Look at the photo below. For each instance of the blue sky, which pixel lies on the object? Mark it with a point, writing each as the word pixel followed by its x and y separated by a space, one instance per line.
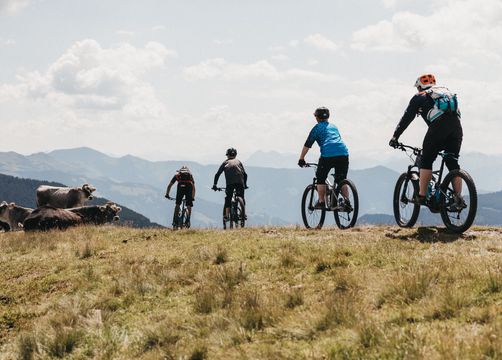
pixel 186 80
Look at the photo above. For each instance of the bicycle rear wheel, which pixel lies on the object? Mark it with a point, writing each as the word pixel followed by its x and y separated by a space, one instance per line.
pixel 177 219
pixel 312 218
pixel 347 208
pixel 458 214
pixel 238 218
pixel 225 221
pixel 405 211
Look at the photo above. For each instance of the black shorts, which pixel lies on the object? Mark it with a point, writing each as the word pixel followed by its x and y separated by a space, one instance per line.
pixel 184 189
pixel 340 163
pixel 229 191
pixel 445 133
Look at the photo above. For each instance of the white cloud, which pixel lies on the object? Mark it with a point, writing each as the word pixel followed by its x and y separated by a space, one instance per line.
pixel 220 68
pixel 11 7
pixel 88 77
pixel 158 28
pixel 458 26
pixel 321 42
pixel 7 42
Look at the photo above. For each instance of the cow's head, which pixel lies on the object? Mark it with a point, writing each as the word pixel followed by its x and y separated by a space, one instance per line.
pixel 4 208
pixel 88 190
pixel 111 211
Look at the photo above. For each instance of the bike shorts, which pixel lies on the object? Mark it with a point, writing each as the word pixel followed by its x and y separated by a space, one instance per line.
pixel 229 191
pixel 184 190
pixel 445 133
pixel 340 163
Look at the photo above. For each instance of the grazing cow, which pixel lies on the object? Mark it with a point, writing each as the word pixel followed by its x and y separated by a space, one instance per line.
pixel 4 226
pixel 13 215
pixel 47 218
pixel 98 214
pixel 64 197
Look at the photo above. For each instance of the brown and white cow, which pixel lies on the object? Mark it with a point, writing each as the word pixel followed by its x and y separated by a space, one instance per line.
pixel 13 215
pixel 98 214
pixel 4 226
pixel 48 218
pixel 64 197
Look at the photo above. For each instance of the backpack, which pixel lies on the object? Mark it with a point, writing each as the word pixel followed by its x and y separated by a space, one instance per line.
pixel 184 175
pixel 445 102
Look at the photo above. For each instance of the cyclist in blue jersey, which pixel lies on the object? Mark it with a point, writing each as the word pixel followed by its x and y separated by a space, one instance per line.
pixel 334 154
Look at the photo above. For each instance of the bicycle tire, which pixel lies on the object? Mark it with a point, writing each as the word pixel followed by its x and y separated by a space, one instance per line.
pixel 309 214
pixel 399 205
pixel 345 221
pixel 239 216
pixel 472 198
pixel 224 221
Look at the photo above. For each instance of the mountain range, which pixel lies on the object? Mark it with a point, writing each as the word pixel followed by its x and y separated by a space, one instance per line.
pixel 273 198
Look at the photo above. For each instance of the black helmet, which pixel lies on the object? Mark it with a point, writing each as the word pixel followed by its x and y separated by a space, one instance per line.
pixel 231 152
pixel 322 113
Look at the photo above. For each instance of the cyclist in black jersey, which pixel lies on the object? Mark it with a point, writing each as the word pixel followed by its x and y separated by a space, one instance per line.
pixel 235 176
pixel 186 188
pixel 444 133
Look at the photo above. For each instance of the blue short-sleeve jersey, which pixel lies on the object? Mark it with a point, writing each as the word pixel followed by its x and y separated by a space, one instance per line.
pixel 328 138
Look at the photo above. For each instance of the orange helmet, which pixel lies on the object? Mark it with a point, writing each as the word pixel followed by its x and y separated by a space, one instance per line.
pixel 425 81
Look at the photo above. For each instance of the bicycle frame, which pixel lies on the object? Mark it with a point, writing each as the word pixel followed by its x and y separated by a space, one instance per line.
pixel 414 175
pixel 330 190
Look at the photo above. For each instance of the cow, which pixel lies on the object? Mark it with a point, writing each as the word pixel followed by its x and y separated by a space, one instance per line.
pixel 4 226
pixel 98 214
pixel 48 217
pixel 64 197
pixel 13 215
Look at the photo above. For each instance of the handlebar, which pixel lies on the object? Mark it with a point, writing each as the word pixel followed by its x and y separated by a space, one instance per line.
pixel 310 165
pixel 403 147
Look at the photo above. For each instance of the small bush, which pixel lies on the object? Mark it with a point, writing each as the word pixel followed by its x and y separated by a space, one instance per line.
pixel 205 300
pixel 63 342
pixel 27 346
pixel 221 256
pixel 294 298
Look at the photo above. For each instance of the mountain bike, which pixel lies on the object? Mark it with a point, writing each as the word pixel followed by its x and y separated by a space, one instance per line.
pixel 181 219
pixel 237 217
pixel 457 211
pixel 345 208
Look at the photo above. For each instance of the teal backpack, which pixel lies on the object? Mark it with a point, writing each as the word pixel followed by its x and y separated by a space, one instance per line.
pixel 445 102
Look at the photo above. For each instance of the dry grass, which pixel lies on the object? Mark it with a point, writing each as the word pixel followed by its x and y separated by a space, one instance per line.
pixel 372 293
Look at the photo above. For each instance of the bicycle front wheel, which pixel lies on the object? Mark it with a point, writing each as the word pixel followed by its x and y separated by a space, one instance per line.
pixel 459 201
pixel 347 205
pixel 405 211
pixel 238 218
pixel 312 218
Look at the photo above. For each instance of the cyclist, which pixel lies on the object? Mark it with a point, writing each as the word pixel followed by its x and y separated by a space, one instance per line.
pixel 235 177
pixel 444 133
pixel 334 154
pixel 186 188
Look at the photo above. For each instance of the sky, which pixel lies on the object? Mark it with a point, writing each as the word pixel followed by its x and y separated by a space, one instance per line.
pixel 185 80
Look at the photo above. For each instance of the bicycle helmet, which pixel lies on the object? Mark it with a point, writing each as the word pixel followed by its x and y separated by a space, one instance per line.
pixel 184 168
pixel 425 81
pixel 231 153
pixel 322 113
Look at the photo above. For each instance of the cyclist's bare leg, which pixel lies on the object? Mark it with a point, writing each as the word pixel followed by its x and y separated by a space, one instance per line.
pixel 321 189
pixel 345 192
pixel 425 177
pixel 457 185
pixel 227 212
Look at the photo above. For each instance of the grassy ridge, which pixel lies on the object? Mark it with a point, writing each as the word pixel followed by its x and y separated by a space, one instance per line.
pixel 376 292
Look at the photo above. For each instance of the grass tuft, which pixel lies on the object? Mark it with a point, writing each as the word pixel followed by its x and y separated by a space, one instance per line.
pixel 27 346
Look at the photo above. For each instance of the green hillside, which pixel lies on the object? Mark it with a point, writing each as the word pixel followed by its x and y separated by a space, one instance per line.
pixel 263 293
pixel 23 193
